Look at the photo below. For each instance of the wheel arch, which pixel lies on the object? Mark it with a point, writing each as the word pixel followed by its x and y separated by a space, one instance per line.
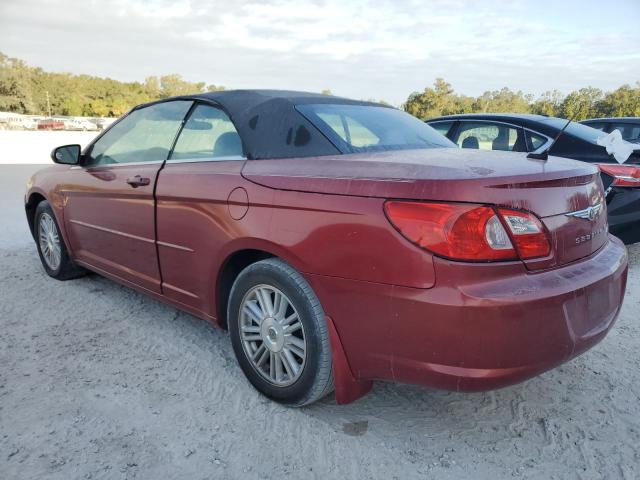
pixel 30 206
pixel 229 271
pixel 347 387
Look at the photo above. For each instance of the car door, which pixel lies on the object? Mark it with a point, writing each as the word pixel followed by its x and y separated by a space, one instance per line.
pixel 109 211
pixel 488 135
pixel 200 200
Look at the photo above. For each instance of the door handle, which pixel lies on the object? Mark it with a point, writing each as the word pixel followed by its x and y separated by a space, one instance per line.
pixel 138 181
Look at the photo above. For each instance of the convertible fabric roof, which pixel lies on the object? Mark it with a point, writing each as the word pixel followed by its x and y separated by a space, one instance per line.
pixel 269 124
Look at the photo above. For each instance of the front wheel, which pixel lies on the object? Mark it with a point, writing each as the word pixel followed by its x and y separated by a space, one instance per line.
pixel 51 248
pixel 279 333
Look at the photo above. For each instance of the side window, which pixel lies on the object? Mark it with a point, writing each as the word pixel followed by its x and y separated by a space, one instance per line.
pixel 441 127
pixel 208 133
pixel 488 136
pixel 145 135
pixel 534 141
pixel 629 131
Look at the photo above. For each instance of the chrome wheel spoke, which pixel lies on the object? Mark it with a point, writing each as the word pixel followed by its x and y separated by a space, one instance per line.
pixel 272 365
pixel 290 363
pixel 260 355
pixel 252 337
pixel 296 346
pixel 290 319
pixel 279 369
pixel 55 256
pixel 252 310
pixel 293 327
pixel 264 299
pixel 280 306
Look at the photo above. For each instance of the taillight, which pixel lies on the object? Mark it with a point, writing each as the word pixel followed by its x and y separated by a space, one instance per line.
pixel 527 233
pixel 469 232
pixel 623 175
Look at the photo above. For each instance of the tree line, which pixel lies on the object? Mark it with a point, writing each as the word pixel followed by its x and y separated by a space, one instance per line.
pixel 31 90
pixel 580 104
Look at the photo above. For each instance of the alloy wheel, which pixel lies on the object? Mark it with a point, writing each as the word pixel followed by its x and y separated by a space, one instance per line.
pixel 49 240
pixel 272 335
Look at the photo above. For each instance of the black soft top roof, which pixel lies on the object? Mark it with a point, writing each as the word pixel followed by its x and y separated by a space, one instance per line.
pixel 269 124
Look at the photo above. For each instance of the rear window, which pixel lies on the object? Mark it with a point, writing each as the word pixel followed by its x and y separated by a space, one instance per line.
pixel 365 128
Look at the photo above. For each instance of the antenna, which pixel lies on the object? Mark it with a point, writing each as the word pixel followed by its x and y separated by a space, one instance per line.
pixel 544 155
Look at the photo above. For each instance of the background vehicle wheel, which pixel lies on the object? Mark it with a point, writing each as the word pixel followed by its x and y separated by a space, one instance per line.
pixel 279 333
pixel 51 248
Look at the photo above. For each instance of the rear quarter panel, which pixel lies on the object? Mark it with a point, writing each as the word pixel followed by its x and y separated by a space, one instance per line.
pixel 329 235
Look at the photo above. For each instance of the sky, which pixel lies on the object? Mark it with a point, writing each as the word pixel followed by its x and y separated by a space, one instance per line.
pixel 363 49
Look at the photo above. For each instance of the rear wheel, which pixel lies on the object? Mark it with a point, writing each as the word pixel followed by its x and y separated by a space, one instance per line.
pixel 279 333
pixel 51 248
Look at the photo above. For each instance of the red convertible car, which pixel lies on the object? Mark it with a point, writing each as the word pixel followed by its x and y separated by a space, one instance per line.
pixel 338 241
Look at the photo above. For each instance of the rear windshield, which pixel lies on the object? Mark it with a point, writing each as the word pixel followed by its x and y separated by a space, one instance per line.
pixel 583 132
pixel 366 128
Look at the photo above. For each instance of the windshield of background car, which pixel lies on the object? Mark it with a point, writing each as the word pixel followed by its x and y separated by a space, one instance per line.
pixel 366 128
pixel 583 132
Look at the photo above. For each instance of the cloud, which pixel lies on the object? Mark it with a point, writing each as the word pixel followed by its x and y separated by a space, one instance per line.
pixel 361 48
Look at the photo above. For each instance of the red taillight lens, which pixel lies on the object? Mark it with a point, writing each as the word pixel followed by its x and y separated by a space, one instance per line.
pixel 453 230
pixel 623 175
pixel 469 232
pixel 527 233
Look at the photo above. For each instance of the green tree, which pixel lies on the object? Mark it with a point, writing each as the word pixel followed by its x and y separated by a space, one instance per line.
pixel 548 103
pixel 436 101
pixel 24 89
pixel 623 102
pixel 15 85
pixel 581 104
pixel 502 101
pixel 172 85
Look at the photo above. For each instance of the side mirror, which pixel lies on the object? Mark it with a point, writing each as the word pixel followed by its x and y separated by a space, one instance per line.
pixel 66 155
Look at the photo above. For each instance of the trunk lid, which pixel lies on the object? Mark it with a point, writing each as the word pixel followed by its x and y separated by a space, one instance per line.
pixel 550 189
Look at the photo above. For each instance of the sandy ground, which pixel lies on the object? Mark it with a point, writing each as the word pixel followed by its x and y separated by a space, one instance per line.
pixel 97 381
pixel 29 147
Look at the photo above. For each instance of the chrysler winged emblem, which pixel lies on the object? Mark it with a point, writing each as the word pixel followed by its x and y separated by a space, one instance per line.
pixel 589 213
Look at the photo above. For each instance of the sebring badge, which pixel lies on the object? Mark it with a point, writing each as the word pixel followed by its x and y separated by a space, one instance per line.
pixel 589 213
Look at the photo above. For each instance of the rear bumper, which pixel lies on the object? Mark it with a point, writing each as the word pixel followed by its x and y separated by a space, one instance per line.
pixel 481 327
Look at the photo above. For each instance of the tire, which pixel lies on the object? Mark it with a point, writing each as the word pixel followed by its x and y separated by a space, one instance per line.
pixel 296 379
pixel 44 223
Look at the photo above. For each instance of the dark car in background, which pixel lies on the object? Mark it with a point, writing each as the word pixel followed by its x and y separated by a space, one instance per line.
pixel 629 127
pixel 536 133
